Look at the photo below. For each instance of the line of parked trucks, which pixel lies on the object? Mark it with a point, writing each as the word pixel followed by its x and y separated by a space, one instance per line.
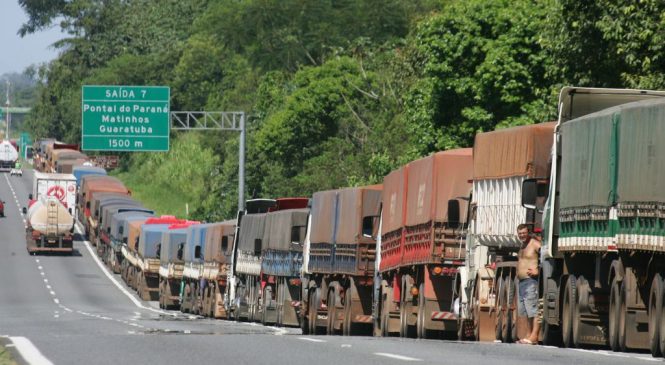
pixel 432 251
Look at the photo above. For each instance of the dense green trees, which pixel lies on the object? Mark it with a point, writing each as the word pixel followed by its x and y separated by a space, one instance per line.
pixel 337 92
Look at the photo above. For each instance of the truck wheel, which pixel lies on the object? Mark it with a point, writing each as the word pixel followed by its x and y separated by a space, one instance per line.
pixel 304 321
pixel 332 312
pixel 314 304
pixel 514 286
pixel 655 313
pixel 622 317
pixel 615 306
pixel 582 299
pixel 508 329
pixel 569 303
pixel 421 330
pixel 500 312
pixel 386 298
pixel 404 311
pixel 267 293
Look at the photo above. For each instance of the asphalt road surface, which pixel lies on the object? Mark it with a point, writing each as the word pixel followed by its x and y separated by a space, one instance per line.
pixel 70 310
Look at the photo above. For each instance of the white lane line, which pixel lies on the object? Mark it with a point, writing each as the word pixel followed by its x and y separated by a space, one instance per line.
pixel 48 287
pixel 40 268
pixel 311 339
pixel 46 280
pixel 29 352
pixel 397 357
pixel 345 345
pixel 56 301
pixel 114 281
pixel 52 292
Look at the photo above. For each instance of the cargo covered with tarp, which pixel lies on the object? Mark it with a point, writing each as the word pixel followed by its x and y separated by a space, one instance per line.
pixel 614 162
pixel 284 233
pixel 338 216
pixel 83 170
pixel 283 228
pixel 641 166
pixel 516 151
pixel 585 162
pixel 425 234
pixel 502 160
pixel 323 212
pixel 172 245
pixel 434 180
pixel 150 240
pixel 251 233
pixel 218 246
pixel 120 224
pixel 392 218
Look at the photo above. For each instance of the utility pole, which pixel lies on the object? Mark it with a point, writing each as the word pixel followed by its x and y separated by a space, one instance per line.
pixel 8 114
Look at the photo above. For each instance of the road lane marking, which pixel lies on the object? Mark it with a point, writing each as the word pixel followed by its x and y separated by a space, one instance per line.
pixel 56 301
pixel 52 292
pixel 29 352
pixel 311 339
pixel 113 280
pixel 397 357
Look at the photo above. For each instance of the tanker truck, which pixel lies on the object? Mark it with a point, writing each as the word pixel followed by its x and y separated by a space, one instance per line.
pixel 8 155
pixel 602 256
pixel 50 226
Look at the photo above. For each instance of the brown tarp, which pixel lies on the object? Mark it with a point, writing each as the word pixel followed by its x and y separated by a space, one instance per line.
pixel 214 237
pixel 394 186
pixel 517 151
pixel 279 226
pixel 251 229
pixel 323 216
pixel 353 205
pixel 134 234
pixel 434 180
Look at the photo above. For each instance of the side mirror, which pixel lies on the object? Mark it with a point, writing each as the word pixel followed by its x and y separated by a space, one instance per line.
pixel 225 244
pixel 453 213
pixel 24 210
pixel 368 226
pixel 257 246
pixel 29 196
pixel 296 236
pixel 197 252
pixel 529 193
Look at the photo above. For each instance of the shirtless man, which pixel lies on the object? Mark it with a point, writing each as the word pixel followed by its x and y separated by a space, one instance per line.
pixel 527 274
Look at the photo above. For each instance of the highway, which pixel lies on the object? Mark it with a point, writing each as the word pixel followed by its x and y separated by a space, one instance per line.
pixel 70 310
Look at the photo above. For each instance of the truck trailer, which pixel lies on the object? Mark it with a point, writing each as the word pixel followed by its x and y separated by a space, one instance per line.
pixel 502 161
pixel 339 264
pixel 423 245
pixel 602 256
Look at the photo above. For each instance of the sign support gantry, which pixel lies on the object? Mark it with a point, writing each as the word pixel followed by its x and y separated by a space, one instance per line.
pixel 223 121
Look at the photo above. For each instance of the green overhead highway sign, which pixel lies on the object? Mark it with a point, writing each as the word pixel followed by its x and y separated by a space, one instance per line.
pixel 125 118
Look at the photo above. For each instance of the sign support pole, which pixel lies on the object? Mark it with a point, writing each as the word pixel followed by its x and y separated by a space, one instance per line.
pixel 241 166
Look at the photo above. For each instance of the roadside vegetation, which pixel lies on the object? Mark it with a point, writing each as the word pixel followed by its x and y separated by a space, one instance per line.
pixel 337 93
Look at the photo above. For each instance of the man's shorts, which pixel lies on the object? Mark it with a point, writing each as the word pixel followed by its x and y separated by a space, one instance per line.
pixel 527 304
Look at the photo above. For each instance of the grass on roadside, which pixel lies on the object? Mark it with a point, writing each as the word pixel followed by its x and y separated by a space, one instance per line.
pixel 6 357
pixel 154 197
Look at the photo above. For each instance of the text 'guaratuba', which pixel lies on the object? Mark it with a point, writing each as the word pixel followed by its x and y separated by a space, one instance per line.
pixel 125 118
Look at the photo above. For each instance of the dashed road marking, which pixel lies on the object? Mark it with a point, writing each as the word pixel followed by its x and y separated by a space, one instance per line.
pixel 311 339
pixel 397 357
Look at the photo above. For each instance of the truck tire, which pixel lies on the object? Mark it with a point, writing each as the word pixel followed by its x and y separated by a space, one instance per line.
pixel 569 303
pixel 421 330
pixel 655 314
pixel 314 304
pixel 582 299
pixel 332 312
pixel 500 312
pixel 615 305
pixel 622 317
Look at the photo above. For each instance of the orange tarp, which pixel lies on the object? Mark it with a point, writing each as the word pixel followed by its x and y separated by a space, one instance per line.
pixel 517 151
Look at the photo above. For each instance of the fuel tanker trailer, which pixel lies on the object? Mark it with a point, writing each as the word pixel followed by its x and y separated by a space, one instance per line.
pixel 50 226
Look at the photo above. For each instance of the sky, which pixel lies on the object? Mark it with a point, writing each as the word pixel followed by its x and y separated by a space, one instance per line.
pixel 17 53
